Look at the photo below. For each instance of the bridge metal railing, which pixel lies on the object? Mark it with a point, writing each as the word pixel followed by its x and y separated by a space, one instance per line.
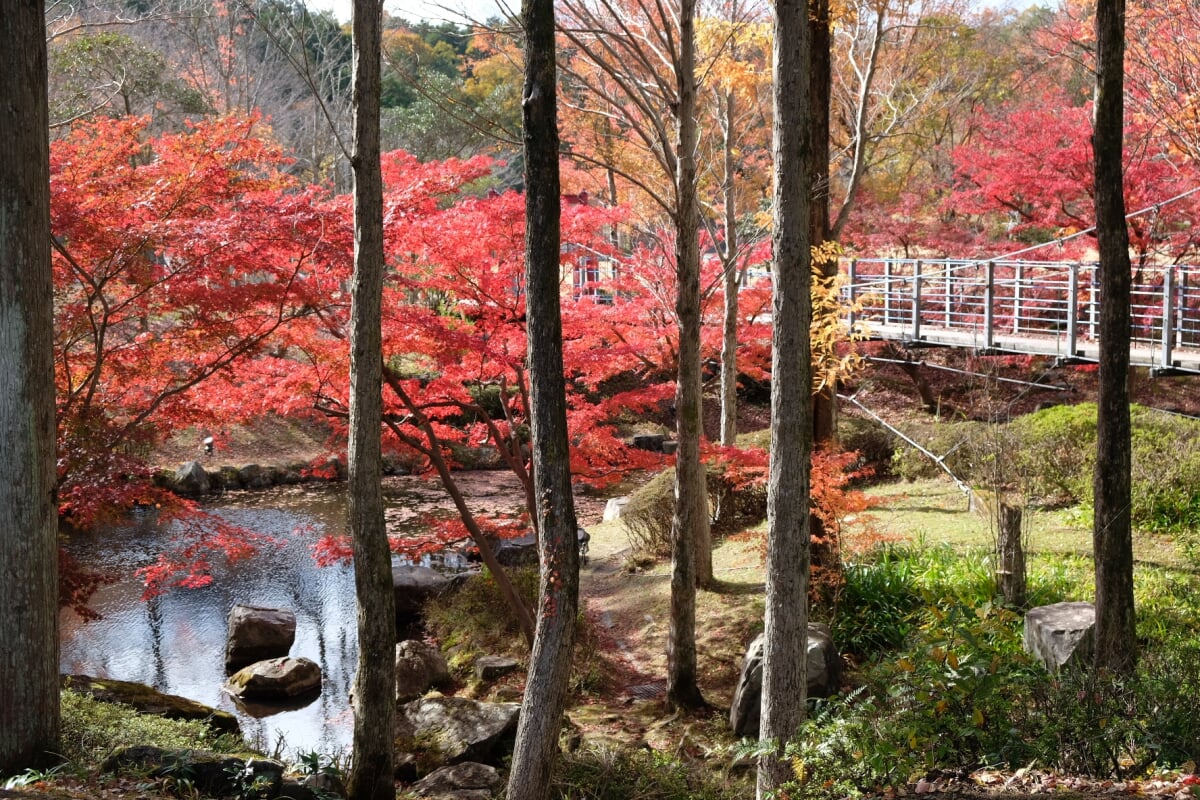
pixel 1052 306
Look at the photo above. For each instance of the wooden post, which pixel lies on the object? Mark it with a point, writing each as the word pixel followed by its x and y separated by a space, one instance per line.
pixel 1010 551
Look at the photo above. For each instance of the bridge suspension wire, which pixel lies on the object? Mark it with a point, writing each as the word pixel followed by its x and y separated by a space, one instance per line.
pixel 997 378
pixel 1062 239
pixel 963 486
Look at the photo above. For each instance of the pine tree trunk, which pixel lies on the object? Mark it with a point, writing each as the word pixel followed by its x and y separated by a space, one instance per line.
pixel 29 711
pixel 690 546
pixel 371 775
pixel 786 629
pixel 1112 536
pixel 550 662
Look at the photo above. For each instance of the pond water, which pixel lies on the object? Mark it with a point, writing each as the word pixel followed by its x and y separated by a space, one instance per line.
pixel 176 642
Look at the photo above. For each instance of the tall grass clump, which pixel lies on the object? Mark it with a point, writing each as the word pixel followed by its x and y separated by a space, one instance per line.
pixel 875 609
pixel 476 618
pixel 599 773
pixel 93 730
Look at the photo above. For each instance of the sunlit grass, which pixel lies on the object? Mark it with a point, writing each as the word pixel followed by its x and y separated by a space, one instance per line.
pixel 936 511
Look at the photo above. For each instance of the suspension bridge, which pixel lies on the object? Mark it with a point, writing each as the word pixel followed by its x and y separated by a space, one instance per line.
pixel 1025 307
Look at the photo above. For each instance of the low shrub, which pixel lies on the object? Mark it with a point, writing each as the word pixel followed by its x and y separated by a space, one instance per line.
pixel 647 517
pixel 950 699
pixel 1057 451
pixel 1096 723
pixel 93 730
pixel 875 445
pixel 598 773
pixel 947 684
pixel 964 447
pixel 885 592
pixel 477 618
pixel 1166 471
pixel 733 505
pixel 1050 455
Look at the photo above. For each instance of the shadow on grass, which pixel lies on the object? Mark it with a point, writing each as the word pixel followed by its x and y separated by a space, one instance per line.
pixel 736 587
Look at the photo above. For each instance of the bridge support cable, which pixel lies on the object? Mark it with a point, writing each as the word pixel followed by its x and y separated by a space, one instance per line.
pixel 939 460
pixel 1153 209
pixel 1032 384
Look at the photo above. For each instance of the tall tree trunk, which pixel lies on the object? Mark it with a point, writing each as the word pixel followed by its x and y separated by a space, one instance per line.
pixel 1112 537
pixel 825 554
pixel 731 282
pixel 825 401
pixel 691 549
pixel 29 711
pixel 375 683
pixel 786 629
pixel 550 661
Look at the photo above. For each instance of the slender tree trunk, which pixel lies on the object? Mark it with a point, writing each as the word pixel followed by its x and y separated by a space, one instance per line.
pixel 862 113
pixel 29 712
pixel 1112 537
pixel 691 549
pixel 731 282
pixel 550 661
pixel 375 683
pixel 786 629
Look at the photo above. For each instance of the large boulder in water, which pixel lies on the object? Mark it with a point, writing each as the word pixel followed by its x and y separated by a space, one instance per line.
pixel 419 667
pixel 518 551
pixel 458 729
pixel 253 476
pixel 1061 634
pixel 277 679
pixel 257 634
pixel 824 673
pixel 414 587
pixel 148 700
pixel 191 478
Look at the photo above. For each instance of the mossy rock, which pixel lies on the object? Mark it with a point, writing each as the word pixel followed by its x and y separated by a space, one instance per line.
pixel 213 774
pixel 148 700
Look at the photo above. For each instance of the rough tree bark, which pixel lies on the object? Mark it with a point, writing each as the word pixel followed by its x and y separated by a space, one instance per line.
pixel 375 683
pixel 1112 536
pixel 786 629
pixel 691 548
pixel 820 86
pixel 825 552
pixel 1010 551
pixel 29 712
pixel 550 661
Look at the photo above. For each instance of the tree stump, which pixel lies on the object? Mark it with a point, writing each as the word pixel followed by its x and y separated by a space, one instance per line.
pixel 1010 572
